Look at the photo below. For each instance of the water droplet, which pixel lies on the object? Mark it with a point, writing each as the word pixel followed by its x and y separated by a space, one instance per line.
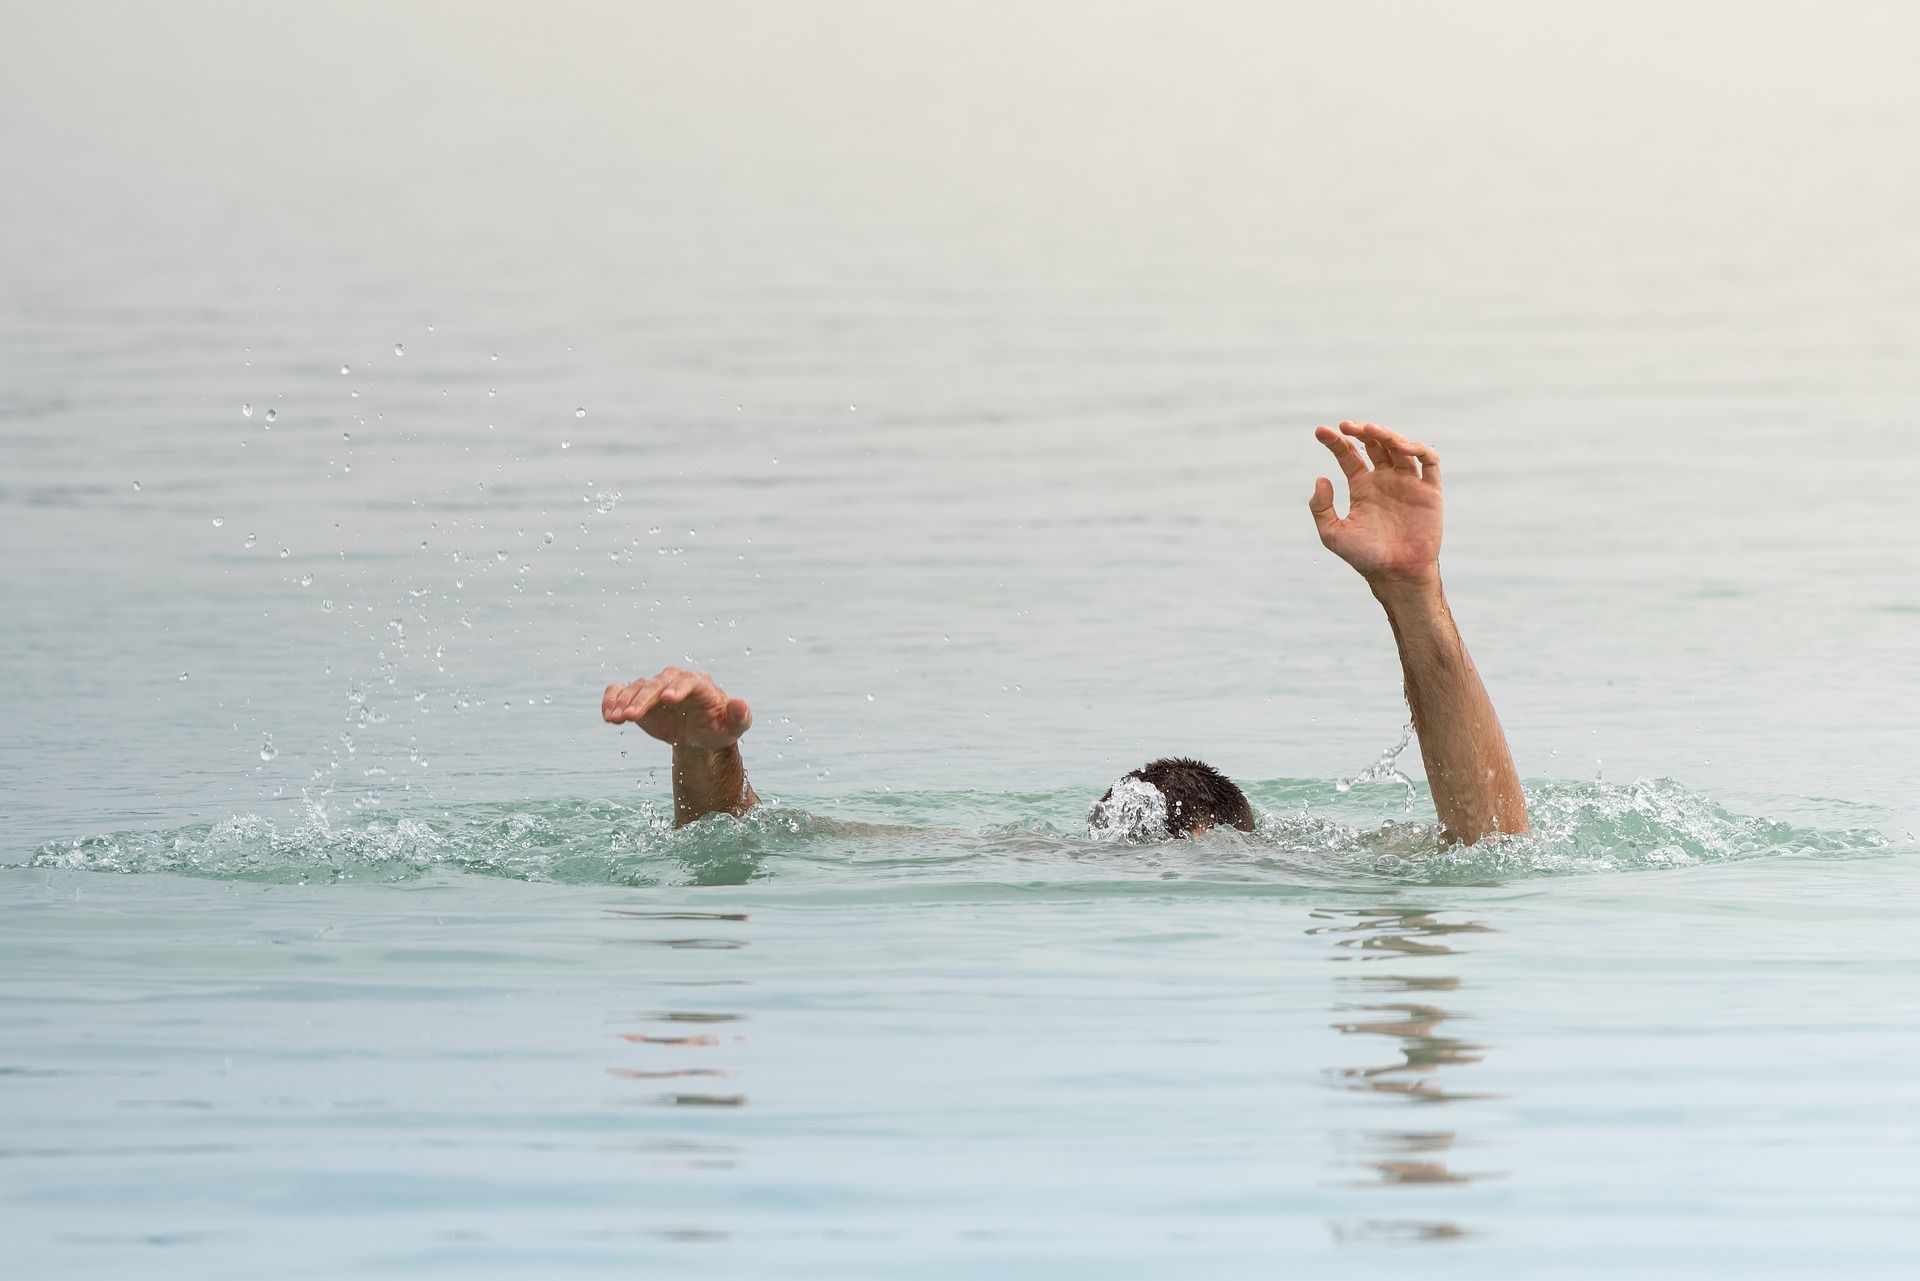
pixel 605 502
pixel 183 676
pixel 492 392
pixel 219 521
pixel 580 413
pixel 284 553
pixel 566 444
pixel 869 698
pixel 272 415
pixel 345 370
pixel 268 751
pixel 399 349
pixel 251 540
pixel 246 411
pixel 429 328
pixel 326 607
pixel 495 356
pixel 136 486
pixel 354 394
pixel 306 580
pixel 346 435
pixel 500 555
pixel 547 537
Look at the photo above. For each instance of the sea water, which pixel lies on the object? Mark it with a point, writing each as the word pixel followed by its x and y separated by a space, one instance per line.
pixel 948 388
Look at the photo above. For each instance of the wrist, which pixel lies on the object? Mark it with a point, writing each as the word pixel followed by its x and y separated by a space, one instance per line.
pixel 1402 593
pixel 700 757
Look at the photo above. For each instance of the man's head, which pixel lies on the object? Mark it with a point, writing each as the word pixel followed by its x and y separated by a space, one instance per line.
pixel 1169 797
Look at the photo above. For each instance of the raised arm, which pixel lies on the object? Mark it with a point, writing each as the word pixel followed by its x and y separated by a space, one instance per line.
pixel 1391 534
pixel 689 711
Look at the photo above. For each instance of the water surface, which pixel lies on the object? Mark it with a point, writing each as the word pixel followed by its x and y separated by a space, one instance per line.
pixel 378 382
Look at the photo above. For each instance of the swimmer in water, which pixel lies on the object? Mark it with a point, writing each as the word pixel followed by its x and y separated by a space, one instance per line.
pixel 1390 534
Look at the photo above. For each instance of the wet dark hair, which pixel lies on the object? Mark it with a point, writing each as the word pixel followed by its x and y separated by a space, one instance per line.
pixel 1198 795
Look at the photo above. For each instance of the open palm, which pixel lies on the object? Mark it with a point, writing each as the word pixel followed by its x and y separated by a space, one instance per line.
pixel 1393 521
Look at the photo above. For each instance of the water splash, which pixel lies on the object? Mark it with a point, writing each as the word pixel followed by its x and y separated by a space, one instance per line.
pixel 1028 839
pixel 1386 767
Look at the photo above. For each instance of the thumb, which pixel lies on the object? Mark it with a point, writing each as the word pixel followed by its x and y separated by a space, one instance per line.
pixel 739 715
pixel 1321 505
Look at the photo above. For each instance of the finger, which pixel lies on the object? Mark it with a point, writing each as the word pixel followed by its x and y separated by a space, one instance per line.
pixel 1370 436
pixel 1396 446
pixel 739 716
pixel 609 700
pixel 679 687
pixel 1321 505
pixel 642 702
pixel 1348 453
pixel 1429 460
pixel 640 696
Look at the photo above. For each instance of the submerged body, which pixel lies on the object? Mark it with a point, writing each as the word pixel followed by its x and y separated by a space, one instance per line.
pixel 1391 535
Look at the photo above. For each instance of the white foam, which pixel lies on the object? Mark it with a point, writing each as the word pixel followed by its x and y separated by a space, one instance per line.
pixel 1134 810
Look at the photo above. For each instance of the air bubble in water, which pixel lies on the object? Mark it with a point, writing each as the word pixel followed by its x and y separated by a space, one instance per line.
pixel 219 521
pixel 268 751
pixel 580 413
pixel 246 411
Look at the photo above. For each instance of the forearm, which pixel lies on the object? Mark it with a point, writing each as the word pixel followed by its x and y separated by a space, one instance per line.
pixel 1476 789
pixel 710 781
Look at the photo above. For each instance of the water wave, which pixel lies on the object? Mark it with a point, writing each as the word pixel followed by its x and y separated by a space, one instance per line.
pixel 1301 839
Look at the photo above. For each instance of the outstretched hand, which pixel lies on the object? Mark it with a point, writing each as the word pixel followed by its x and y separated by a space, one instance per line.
pixel 1391 532
pixel 683 708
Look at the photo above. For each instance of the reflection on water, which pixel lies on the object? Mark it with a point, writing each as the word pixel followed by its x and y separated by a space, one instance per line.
pixel 1404 1007
pixel 681 1044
